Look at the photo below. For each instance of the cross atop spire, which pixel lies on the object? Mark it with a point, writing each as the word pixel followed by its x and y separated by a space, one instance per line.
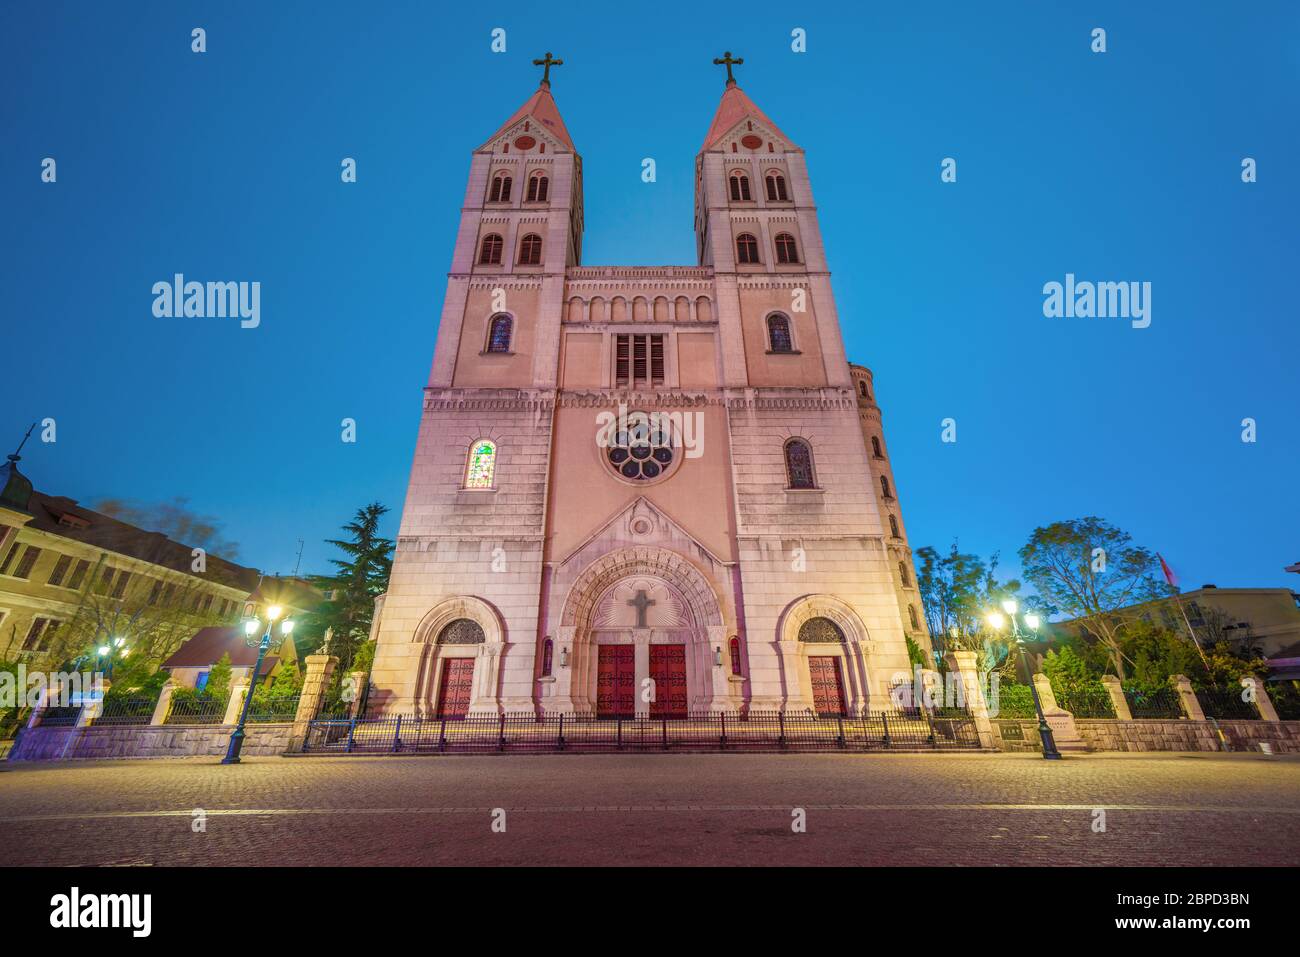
pixel 726 58
pixel 546 64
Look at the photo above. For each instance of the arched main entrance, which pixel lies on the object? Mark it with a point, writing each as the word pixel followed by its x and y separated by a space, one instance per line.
pixel 644 632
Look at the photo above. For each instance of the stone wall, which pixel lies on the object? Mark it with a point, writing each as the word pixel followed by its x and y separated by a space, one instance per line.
pixel 145 741
pixel 1165 734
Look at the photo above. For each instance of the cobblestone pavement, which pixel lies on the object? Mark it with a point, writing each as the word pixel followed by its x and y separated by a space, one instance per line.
pixel 657 809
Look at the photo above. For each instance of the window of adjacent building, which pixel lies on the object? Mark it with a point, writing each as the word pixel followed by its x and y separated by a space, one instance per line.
pixel 499 329
pixel 207 603
pixel 799 464
pixel 481 468
pixel 875 448
pixel 500 192
pixel 746 249
pixel 105 581
pixel 79 573
pixel 9 558
pixel 490 254
pixel 60 570
pixel 119 586
pixel 530 250
pixel 740 187
pixel 155 592
pixel 893 526
pixel 538 186
pixel 201 681
pixel 776 191
pixel 26 563
pixel 786 251
pixel 638 360
pixel 39 634
pixel 778 333
pixel 884 487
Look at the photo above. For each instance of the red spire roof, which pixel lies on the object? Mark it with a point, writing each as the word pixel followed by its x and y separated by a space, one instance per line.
pixel 540 107
pixel 736 106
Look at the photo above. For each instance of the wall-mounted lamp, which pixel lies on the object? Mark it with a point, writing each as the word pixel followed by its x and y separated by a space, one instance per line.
pixel 564 657
pixel 717 656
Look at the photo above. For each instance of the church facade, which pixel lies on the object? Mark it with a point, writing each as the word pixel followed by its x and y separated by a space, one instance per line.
pixel 657 489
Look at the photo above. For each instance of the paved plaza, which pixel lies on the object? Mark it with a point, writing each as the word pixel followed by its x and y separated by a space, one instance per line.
pixel 904 809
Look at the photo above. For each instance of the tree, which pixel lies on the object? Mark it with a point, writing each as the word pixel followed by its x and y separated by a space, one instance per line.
pixel 1089 570
pixel 361 577
pixel 957 591
pixel 176 520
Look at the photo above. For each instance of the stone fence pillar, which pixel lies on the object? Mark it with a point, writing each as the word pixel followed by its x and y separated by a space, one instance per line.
pixel 963 665
pixel 164 705
pixel 238 690
pixel 358 679
pixel 1262 701
pixel 1118 701
pixel 90 710
pixel 1058 719
pixel 320 668
pixel 1187 698
pixel 1046 693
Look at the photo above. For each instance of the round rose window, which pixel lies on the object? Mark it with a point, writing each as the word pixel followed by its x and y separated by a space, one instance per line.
pixel 525 143
pixel 642 450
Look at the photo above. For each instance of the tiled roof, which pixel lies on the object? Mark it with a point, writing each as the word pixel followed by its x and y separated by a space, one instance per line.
pixel 736 106
pixel 540 107
pixel 208 646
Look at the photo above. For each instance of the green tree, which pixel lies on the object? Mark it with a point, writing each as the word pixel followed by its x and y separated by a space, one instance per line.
pixel 1088 570
pixel 957 591
pixel 218 685
pixel 1067 669
pixel 360 577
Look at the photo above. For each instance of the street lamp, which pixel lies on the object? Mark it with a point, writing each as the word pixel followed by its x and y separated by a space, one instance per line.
pixel 1032 622
pixel 250 638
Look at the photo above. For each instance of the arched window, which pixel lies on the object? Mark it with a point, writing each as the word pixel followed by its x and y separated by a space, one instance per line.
pixel 739 187
pixel 482 465
pixel 500 191
pixel 499 330
pixel 746 248
pixel 462 631
pixel 778 333
pixel 734 647
pixel 902 573
pixel 776 192
pixel 884 487
pixel 548 651
pixel 893 526
pixel 786 251
pixel 538 187
pixel 530 250
pixel 798 464
pixel 875 448
pixel 862 387
pixel 821 631
pixel 490 255
pixel 911 614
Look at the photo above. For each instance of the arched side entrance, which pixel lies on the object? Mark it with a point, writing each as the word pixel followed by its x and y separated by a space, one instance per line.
pixel 824 651
pixel 459 667
pixel 637 614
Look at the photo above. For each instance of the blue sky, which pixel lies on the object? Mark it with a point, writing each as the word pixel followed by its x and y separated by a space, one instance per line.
pixel 1116 166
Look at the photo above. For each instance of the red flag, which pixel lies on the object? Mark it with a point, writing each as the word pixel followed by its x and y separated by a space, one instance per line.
pixel 1169 572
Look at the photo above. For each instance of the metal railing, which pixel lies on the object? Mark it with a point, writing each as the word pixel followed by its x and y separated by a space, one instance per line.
pixel 762 730
pixel 273 709
pixel 196 710
pixel 1085 701
pixel 59 717
pixel 1226 703
pixel 127 711
pixel 1153 703
pixel 1013 701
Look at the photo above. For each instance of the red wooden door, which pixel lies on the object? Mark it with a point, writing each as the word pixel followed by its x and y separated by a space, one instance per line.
pixel 828 689
pixel 457 683
pixel 616 681
pixel 668 669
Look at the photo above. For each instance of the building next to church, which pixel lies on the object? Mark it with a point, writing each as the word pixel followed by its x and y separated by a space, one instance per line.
pixel 745 550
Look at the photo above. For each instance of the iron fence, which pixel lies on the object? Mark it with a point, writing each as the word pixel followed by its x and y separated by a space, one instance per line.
pixel 273 709
pixel 1286 700
pixel 197 710
pixel 1226 703
pixel 1086 701
pixel 1013 701
pixel 1153 703
pixel 763 730
pixel 60 717
pixel 127 711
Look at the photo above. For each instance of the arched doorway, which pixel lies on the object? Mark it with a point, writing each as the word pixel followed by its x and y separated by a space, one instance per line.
pixel 824 656
pixel 459 666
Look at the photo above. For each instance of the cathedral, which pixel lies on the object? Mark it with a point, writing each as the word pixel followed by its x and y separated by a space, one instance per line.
pixel 654 490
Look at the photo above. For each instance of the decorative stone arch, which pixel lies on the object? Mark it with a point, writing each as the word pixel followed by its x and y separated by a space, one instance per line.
pixel 655 562
pixel 487 653
pixel 854 652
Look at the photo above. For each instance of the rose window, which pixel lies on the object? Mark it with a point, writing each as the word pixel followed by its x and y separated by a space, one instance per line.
pixel 641 451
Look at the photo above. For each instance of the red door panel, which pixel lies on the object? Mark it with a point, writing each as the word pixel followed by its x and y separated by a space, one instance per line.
pixel 668 669
pixel 827 687
pixel 457 683
pixel 616 681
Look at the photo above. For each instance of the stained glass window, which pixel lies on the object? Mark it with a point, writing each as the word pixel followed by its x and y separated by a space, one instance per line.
pixel 778 333
pixel 499 334
pixel 798 464
pixel 482 465
pixel 735 656
pixel 548 650
pixel 820 631
pixel 462 631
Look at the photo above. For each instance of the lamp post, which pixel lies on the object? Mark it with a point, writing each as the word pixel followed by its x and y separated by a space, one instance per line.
pixel 1032 622
pixel 250 632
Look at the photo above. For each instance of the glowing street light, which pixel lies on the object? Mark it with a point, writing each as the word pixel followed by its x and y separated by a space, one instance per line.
pixel 251 627
pixel 1032 622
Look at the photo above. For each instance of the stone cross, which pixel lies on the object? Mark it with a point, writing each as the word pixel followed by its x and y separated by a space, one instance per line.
pixel 548 63
pixel 727 59
pixel 641 603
